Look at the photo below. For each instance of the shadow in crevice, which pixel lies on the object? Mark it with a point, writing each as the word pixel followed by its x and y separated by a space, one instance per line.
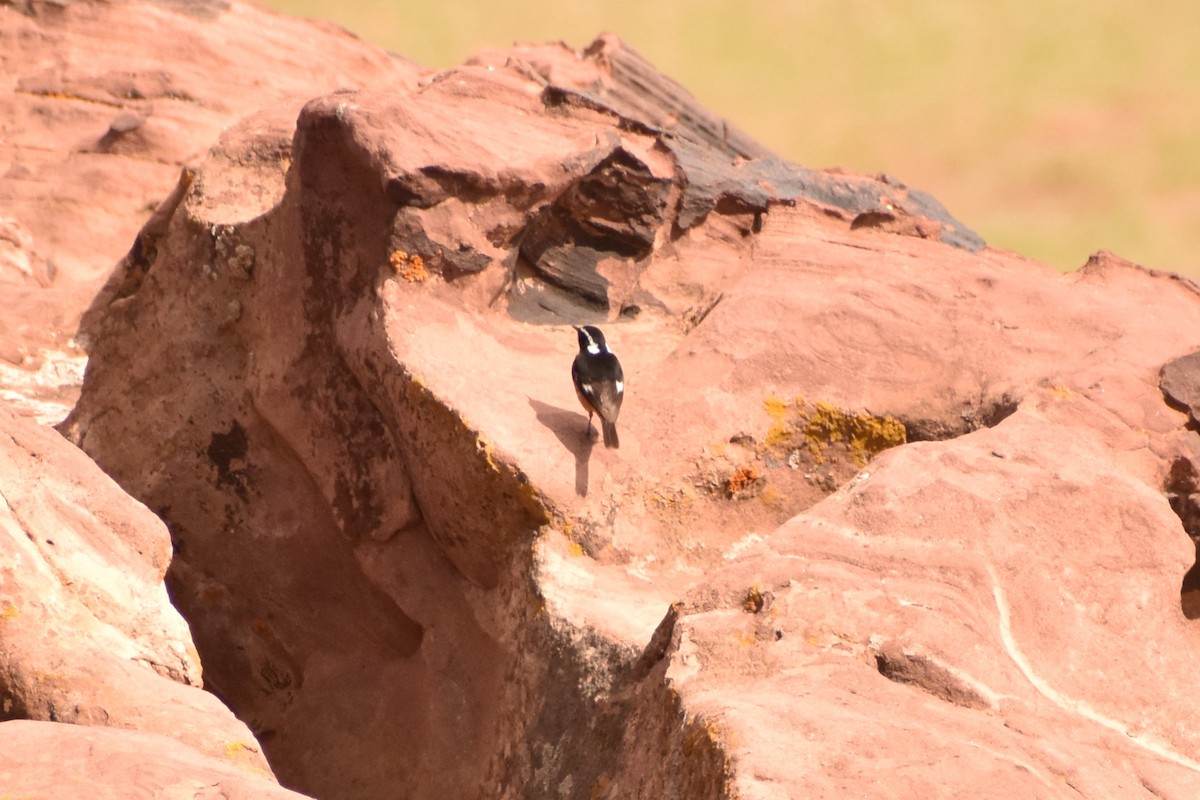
pixel 1182 488
pixel 569 426
pixel 1179 381
pixel 988 413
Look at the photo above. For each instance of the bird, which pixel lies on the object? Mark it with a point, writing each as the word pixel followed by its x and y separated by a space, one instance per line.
pixel 599 382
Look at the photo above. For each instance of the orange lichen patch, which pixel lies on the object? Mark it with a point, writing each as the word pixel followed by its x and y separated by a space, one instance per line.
pixel 746 639
pixel 409 266
pixel 744 482
pixel 264 631
pixel 213 595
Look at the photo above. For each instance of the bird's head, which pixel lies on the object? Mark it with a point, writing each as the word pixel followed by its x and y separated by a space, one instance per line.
pixel 591 339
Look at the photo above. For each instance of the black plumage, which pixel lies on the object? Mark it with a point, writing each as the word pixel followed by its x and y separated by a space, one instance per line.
pixel 599 382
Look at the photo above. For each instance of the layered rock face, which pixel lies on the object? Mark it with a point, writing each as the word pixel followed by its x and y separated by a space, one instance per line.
pixel 888 518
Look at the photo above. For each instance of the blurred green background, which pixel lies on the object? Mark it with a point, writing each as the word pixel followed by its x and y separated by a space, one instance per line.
pixel 1054 128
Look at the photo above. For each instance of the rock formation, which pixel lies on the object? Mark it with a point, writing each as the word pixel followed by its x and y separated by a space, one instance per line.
pixel 102 106
pixel 88 637
pixel 892 514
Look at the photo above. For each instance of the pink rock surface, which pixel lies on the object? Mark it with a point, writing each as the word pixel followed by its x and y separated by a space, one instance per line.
pixel 64 762
pixel 101 106
pixel 1016 611
pixel 87 633
pixel 335 360
pixel 407 567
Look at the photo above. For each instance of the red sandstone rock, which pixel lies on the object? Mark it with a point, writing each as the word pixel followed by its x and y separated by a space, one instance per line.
pixel 65 762
pixel 87 634
pixel 405 564
pixel 102 105
pixel 1015 586
pixel 336 362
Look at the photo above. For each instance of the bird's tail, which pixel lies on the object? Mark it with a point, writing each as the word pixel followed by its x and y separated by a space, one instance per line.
pixel 610 433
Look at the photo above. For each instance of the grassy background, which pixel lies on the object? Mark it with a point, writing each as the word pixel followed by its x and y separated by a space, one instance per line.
pixel 1053 127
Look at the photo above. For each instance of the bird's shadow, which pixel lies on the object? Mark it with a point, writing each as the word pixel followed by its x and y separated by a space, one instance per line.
pixel 568 427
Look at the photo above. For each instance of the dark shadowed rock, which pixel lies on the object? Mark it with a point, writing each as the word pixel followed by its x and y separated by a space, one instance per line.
pixel 1180 382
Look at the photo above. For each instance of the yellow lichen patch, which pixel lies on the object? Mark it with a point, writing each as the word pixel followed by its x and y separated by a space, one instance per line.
pixel 565 526
pixel 485 448
pixel 8 612
pixel 245 756
pixel 575 549
pixel 776 407
pixel 779 432
pixel 1062 391
pixel 816 427
pixel 240 751
pixel 771 497
pixel 863 434
pixel 717 732
pixel 706 746
pixel 409 266
pixel 520 487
